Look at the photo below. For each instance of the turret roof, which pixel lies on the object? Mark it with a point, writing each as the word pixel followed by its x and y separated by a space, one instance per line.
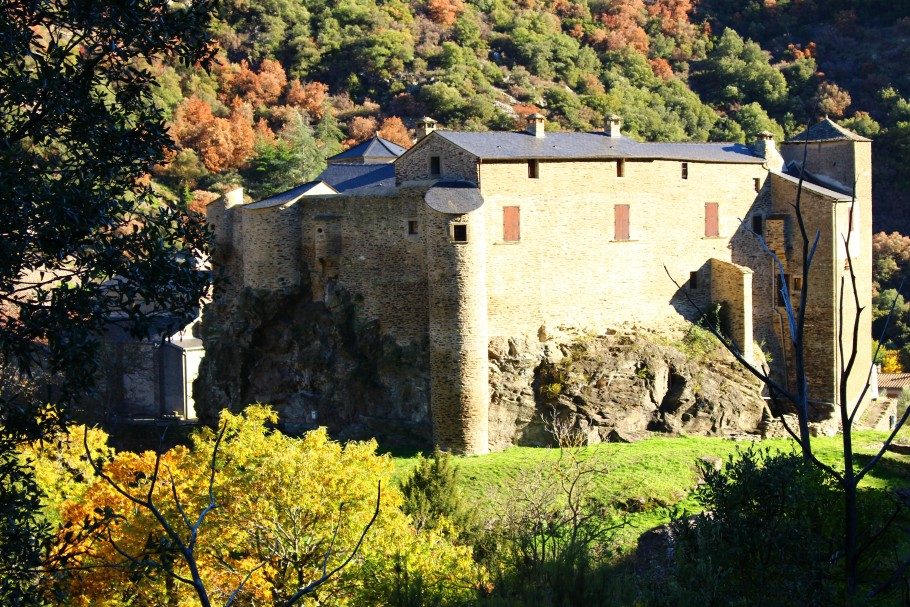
pixel 375 147
pixel 826 130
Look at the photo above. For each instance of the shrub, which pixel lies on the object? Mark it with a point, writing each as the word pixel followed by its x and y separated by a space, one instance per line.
pixel 767 536
pixel 431 494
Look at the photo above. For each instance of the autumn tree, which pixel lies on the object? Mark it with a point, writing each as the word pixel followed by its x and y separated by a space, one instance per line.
pixel 266 534
pixel 84 240
pixel 394 130
pixel 311 97
pixel 445 12
pixel 362 128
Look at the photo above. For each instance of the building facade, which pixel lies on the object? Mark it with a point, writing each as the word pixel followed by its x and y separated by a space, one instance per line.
pixel 493 235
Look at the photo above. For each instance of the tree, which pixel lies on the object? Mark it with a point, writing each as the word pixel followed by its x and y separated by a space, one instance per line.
pixel 394 130
pixel 248 515
pixel 84 240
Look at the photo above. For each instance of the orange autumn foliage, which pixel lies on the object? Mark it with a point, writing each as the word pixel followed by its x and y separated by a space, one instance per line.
pixel 445 12
pixel 624 22
pixel 256 88
pixel 661 68
pixel 673 14
pixel 222 143
pixel 310 97
pixel 394 130
pixel 362 128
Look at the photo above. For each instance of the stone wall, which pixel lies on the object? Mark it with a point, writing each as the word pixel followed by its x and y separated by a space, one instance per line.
pixel 271 246
pixel 456 164
pixel 732 285
pixel 568 269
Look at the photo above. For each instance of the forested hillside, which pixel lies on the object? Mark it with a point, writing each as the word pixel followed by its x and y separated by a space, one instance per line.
pixel 296 80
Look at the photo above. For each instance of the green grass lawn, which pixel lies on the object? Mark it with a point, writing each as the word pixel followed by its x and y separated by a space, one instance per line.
pixel 657 473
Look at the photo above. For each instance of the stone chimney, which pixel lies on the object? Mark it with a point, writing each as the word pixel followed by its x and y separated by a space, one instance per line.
pixel 537 125
pixel 612 125
pixel 766 147
pixel 425 126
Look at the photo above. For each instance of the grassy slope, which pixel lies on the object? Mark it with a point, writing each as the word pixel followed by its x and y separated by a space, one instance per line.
pixel 657 473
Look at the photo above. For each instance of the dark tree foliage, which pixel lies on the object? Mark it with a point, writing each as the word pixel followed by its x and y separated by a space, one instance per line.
pixel 84 240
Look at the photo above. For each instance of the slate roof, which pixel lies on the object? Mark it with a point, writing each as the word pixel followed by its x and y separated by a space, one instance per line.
pixel 361 178
pixel 812 187
pixel 376 148
pixel 498 145
pixel 826 130
pixel 793 169
pixel 454 197
pixel 286 197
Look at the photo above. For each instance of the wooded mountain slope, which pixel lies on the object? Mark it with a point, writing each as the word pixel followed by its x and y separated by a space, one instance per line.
pixel 298 79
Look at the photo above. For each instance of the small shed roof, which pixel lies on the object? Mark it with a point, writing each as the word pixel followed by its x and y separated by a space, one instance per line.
pixel 897 381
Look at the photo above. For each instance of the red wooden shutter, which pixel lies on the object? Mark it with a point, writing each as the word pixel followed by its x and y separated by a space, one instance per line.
pixel 511 223
pixel 712 228
pixel 621 221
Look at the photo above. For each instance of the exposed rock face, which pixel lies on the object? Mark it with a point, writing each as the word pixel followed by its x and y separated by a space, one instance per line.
pixel 618 387
pixel 318 364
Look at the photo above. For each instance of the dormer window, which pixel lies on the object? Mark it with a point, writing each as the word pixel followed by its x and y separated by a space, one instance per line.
pixel 435 166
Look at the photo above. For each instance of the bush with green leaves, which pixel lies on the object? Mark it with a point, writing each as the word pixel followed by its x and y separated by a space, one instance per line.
pixel 431 495
pixel 768 536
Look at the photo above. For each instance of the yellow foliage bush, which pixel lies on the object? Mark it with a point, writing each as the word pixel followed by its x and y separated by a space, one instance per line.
pixel 283 505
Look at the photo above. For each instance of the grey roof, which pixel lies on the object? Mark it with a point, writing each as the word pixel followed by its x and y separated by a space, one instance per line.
pixel 498 145
pixel 375 147
pixel 454 197
pixel 793 169
pixel 361 178
pixel 286 197
pixel 826 130
pixel 811 187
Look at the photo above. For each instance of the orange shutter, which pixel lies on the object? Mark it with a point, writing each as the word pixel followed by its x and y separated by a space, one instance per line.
pixel 511 223
pixel 712 228
pixel 621 221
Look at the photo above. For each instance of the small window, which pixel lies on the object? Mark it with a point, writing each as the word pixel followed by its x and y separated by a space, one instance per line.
pixel 758 224
pixel 620 168
pixel 780 294
pixel 435 165
pixel 533 169
pixel 685 170
pixel 693 280
pixel 756 182
pixel 712 224
pixel 621 222
pixel 412 226
pixel 797 284
pixel 511 224
pixel 460 232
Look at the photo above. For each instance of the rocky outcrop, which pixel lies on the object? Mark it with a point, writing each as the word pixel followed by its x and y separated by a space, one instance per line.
pixel 618 387
pixel 319 364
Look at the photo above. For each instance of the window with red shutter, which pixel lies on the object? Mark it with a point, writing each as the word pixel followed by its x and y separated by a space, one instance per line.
pixel 621 222
pixel 511 223
pixel 712 226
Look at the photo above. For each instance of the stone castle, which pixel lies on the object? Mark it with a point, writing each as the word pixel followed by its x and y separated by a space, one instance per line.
pixel 473 238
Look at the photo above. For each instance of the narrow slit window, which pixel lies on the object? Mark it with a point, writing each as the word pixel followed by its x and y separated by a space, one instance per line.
pixel 511 224
pixel 533 169
pixel 780 289
pixel 435 165
pixel 685 170
pixel 693 280
pixel 620 168
pixel 460 232
pixel 712 223
pixel 621 222
pixel 797 284
pixel 412 226
pixel 756 183
pixel 758 224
